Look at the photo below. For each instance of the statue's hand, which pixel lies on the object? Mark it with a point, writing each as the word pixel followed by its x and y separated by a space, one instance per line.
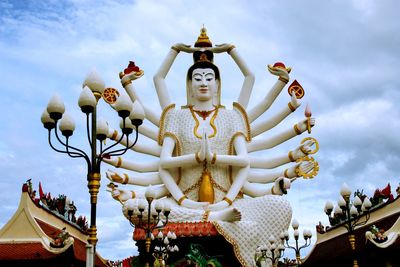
pixel 115 193
pixel 221 48
pixel 303 150
pixel 305 167
pixel 127 78
pixel 203 149
pixel 114 177
pixel 184 48
pixel 218 206
pixel 188 203
pixel 281 185
pixel 294 101
pixel 303 124
pixel 281 72
pixel 209 154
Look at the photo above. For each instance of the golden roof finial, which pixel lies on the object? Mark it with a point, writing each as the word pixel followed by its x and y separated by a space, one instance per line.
pixel 203 40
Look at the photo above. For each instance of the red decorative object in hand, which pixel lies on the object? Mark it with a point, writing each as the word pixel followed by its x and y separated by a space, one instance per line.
pixel 279 65
pixel 297 88
pixel 131 68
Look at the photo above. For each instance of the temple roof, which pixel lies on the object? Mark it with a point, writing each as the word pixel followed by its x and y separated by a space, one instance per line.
pixel 31 232
pixel 334 245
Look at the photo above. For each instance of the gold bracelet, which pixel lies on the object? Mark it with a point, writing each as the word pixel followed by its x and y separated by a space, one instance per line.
pixel 175 49
pixel 286 173
pixel 227 200
pixel 230 49
pixel 290 155
pixel 114 135
pixel 126 179
pixel 296 129
pixel 197 157
pixel 205 216
pixel 272 190
pixel 181 200
pixel 291 107
pixel 214 158
pixel 119 162
pixel 126 83
pixel 284 80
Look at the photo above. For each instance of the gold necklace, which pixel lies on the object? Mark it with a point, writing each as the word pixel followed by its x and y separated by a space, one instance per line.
pixel 204 113
pixel 192 111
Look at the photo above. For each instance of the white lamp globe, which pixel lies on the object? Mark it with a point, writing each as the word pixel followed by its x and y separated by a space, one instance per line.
pixel 87 101
pixel 55 107
pixel 67 125
pixel 94 82
pixel 48 122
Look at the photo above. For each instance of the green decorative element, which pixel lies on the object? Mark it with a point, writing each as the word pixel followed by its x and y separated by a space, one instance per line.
pixel 198 255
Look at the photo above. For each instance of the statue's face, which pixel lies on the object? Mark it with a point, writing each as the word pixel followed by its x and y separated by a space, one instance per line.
pixel 204 84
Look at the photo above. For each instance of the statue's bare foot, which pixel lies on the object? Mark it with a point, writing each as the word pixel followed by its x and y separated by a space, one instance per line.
pixel 227 215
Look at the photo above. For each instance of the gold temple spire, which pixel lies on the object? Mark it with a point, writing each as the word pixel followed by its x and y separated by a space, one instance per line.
pixel 203 40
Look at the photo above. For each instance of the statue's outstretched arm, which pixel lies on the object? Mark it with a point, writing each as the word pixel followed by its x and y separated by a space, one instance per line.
pixel 167 161
pixel 149 132
pixel 277 139
pixel 150 114
pixel 169 181
pixel 248 82
pixel 266 103
pixel 262 176
pixel 149 148
pixel 148 166
pixel 126 81
pixel 249 78
pixel 276 161
pixel 143 179
pixel 260 127
pixel 280 186
pixel 159 77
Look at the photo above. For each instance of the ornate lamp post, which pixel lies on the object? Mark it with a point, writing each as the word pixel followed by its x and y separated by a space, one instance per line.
pixel 284 236
pixel 163 247
pixel 349 214
pixel 271 251
pixel 135 211
pixel 97 129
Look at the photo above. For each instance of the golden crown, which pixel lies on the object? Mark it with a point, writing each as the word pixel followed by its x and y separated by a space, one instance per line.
pixel 203 40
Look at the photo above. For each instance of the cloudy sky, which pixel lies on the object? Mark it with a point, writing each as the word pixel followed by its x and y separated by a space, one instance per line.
pixel 344 53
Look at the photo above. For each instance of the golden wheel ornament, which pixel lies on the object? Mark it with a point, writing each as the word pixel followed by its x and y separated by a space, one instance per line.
pixel 315 150
pixel 310 174
pixel 297 89
pixel 110 95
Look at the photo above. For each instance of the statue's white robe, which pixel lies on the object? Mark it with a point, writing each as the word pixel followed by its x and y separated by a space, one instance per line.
pixel 261 216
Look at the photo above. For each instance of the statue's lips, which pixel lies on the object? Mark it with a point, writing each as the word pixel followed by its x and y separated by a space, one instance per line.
pixel 203 90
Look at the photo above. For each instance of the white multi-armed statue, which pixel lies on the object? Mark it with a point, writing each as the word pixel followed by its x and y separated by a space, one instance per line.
pixel 205 170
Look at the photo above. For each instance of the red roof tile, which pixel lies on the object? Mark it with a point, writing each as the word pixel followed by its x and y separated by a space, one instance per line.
pixel 24 251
